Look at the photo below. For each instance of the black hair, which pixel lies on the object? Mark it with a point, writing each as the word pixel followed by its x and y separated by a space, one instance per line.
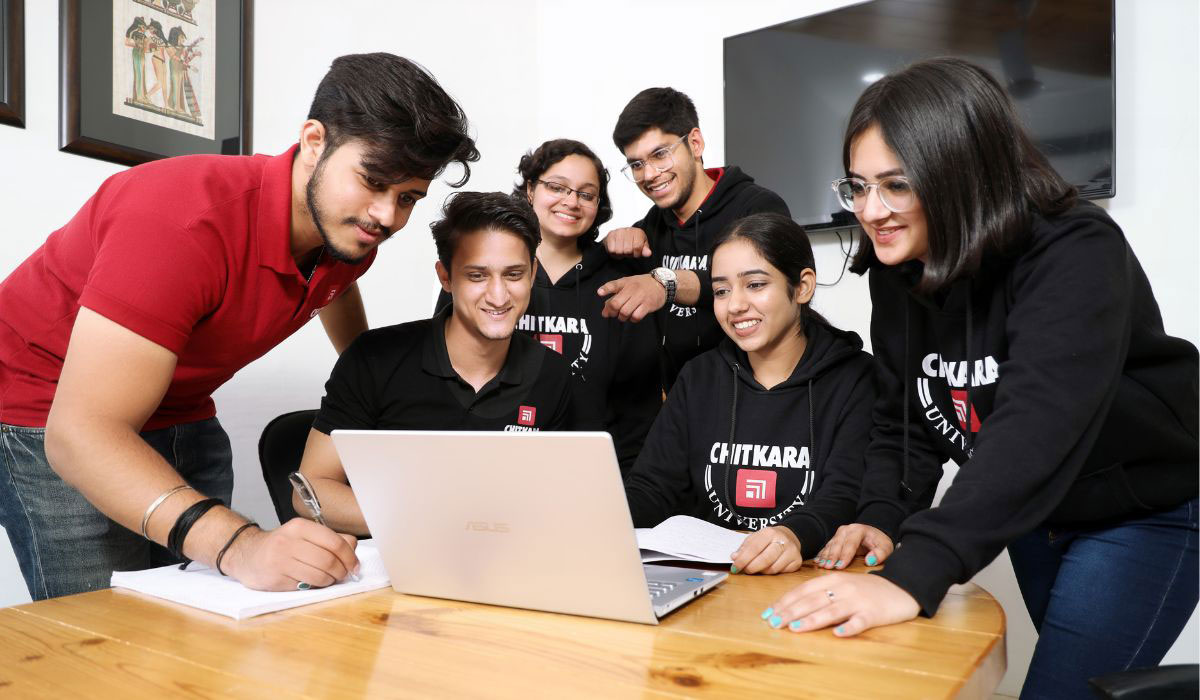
pixel 781 242
pixel 671 111
pixel 468 212
pixel 173 37
pixel 535 164
pixel 974 169
pixel 137 22
pixel 410 126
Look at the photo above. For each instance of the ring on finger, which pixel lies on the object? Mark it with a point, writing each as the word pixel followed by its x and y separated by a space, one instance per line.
pixel 829 594
pixel 303 586
pixel 781 543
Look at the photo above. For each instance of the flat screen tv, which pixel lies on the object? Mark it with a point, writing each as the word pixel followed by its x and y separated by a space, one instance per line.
pixel 789 88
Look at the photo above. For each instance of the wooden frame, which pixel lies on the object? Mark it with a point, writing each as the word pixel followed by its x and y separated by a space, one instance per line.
pixel 12 62
pixel 99 117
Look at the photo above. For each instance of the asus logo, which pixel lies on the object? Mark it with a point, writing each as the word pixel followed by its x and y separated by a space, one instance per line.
pixel 484 526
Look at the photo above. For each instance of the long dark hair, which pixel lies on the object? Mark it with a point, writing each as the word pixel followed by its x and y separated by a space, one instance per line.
pixel 783 243
pixel 971 164
pixel 535 164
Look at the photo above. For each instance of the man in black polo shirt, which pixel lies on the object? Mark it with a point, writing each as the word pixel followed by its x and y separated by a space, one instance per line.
pixel 464 369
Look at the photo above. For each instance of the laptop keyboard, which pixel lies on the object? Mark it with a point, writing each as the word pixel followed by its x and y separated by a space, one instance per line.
pixel 658 588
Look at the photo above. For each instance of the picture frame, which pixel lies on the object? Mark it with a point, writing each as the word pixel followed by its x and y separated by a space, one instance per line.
pixel 12 63
pixel 141 80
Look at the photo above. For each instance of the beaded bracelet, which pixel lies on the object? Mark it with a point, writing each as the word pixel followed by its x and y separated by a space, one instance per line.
pixel 229 543
pixel 183 524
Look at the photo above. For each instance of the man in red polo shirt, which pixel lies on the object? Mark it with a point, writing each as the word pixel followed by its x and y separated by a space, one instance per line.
pixel 174 275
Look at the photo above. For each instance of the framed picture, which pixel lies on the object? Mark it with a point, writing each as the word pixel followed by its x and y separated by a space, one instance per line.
pixel 12 62
pixel 148 79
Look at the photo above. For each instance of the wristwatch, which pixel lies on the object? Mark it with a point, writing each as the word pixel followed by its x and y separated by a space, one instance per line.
pixel 666 277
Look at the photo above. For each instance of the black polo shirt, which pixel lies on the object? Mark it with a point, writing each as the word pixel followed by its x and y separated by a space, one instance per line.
pixel 400 378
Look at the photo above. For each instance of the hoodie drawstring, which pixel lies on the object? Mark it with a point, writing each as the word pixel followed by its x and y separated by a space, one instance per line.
pixel 904 379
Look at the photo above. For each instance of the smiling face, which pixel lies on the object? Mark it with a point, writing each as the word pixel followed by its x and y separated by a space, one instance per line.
pixel 753 301
pixel 671 188
pixel 897 238
pixel 352 209
pixel 566 217
pixel 490 280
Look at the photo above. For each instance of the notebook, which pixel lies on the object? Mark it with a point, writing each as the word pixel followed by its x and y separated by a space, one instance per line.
pixel 201 587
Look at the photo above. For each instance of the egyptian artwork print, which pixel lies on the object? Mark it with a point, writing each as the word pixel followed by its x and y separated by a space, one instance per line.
pixel 164 63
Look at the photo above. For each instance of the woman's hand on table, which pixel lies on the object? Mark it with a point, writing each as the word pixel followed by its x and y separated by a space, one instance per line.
pixel 851 603
pixel 852 540
pixel 771 550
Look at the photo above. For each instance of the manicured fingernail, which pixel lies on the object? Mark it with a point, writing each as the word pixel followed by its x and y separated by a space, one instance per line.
pixel 795 624
pixel 767 613
pixel 839 562
pixel 871 560
pixel 840 630
pixel 775 621
pixel 733 569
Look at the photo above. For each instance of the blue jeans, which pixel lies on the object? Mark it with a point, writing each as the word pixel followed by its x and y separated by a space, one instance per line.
pixel 63 544
pixel 1105 600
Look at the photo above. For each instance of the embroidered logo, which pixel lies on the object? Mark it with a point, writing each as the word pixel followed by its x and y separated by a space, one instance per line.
pixel 755 488
pixel 526 415
pixel 554 341
pixel 959 398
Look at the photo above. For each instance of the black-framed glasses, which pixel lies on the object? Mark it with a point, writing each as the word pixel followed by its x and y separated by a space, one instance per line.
pixel 660 159
pixel 586 199
pixel 895 192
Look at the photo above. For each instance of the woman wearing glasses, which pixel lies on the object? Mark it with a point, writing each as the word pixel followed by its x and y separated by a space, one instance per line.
pixel 766 431
pixel 614 364
pixel 1016 334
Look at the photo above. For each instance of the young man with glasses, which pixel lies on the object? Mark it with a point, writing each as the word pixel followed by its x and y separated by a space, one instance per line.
pixel 659 134
pixel 172 277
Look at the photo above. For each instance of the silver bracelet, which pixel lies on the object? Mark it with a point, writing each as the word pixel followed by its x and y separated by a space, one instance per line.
pixel 158 502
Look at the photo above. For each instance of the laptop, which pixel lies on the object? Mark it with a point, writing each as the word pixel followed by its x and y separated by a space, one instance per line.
pixel 534 520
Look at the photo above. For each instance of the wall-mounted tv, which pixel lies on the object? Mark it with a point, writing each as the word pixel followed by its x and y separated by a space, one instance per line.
pixel 789 88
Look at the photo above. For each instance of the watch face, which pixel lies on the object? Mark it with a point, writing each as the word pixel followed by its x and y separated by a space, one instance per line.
pixel 664 274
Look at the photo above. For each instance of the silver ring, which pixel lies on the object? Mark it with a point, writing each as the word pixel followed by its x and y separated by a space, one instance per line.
pixel 302 586
pixel 829 594
pixel 781 543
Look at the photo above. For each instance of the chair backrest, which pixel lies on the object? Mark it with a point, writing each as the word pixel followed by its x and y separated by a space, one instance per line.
pixel 1156 683
pixel 279 451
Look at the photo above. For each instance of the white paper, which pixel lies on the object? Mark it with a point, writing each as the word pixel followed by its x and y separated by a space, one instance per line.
pixel 202 587
pixel 690 539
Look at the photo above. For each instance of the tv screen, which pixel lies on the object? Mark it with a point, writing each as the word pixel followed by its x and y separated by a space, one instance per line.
pixel 789 88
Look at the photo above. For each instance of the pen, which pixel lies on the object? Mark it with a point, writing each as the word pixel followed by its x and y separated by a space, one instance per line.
pixel 309 497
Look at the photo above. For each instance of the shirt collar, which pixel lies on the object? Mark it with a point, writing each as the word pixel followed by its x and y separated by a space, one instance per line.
pixel 274 221
pixel 436 358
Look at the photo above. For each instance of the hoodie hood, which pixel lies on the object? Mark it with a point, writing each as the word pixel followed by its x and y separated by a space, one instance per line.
pixel 826 348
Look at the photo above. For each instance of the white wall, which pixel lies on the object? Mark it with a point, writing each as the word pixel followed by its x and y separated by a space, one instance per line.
pixel 528 71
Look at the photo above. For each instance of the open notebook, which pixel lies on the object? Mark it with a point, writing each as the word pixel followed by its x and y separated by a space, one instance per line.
pixel 202 587
pixel 689 539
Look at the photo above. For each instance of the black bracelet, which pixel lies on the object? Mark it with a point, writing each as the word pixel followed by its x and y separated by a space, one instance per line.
pixel 229 543
pixel 183 524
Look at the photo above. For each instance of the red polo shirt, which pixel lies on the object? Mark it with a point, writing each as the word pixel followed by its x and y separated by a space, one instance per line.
pixel 191 253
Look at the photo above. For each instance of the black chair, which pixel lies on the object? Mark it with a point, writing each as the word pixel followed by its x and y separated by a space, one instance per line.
pixel 279 451
pixel 1158 683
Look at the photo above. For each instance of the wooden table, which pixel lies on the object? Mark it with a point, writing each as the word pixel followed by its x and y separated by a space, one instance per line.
pixel 117 643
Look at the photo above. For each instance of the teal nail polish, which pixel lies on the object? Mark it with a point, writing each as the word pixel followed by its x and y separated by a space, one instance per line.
pixel 775 621
pixel 795 625
pixel 839 562
pixel 871 560
pixel 840 630
pixel 733 569
pixel 767 613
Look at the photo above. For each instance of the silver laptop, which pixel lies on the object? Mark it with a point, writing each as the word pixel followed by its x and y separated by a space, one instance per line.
pixel 533 520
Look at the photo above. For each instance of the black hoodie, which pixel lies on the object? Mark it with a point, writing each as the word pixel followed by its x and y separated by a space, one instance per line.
pixel 791 455
pixel 1083 411
pixel 614 365
pixel 687 245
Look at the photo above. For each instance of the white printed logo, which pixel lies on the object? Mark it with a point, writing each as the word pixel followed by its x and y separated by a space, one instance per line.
pixel 756 489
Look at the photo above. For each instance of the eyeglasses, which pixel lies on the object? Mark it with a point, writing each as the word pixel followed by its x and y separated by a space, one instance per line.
pixel 895 192
pixel 586 199
pixel 660 160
